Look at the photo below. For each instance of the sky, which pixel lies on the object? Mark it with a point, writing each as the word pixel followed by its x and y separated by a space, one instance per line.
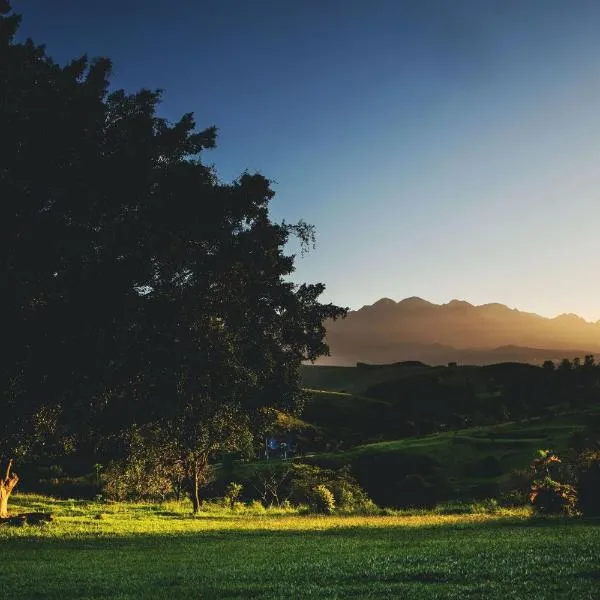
pixel 442 149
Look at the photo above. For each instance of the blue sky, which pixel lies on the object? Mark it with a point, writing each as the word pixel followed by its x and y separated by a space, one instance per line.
pixel 443 149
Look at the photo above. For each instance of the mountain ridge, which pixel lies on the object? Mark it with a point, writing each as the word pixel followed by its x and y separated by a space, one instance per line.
pixel 416 329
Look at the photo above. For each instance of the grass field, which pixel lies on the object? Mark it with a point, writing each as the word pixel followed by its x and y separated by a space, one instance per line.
pixel 142 551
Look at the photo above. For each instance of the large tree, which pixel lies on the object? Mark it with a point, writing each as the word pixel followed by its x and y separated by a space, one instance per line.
pixel 136 286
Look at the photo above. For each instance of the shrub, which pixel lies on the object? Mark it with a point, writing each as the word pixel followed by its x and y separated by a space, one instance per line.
pixel 256 506
pixel 547 495
pixel 232 494
pixel 346 492
pixel 322 500
pixel 551 497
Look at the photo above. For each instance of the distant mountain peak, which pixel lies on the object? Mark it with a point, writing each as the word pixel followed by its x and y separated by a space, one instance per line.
pixel 495 306
pixel 572 317
pixel 384 302
pixel 458 304
pixel 414 301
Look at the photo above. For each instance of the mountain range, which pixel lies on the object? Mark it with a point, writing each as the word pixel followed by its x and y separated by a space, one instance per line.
pixel 415 329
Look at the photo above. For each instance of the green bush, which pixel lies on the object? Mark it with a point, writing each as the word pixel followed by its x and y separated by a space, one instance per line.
pixel 322 500
pixel 232 494
pixel 347 494
pixel 256 506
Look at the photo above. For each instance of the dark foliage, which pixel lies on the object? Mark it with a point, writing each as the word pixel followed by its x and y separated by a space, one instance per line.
pixel 137 287
pixel 547 495
pixel 589 483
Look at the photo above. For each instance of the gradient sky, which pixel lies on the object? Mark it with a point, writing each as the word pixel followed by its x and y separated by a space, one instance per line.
pixel 443 149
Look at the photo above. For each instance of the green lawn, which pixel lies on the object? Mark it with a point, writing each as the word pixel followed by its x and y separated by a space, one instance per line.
pixel 137 551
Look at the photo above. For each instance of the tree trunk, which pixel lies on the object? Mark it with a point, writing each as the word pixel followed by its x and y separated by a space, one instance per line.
pixel 196 489
pixel 6 487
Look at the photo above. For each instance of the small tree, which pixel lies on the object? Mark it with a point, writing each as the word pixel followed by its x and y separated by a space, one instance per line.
pixel 272 483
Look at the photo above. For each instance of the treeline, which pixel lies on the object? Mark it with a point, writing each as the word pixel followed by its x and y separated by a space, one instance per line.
pixel 455 398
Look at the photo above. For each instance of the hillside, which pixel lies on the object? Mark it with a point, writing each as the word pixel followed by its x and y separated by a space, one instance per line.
pixel 414 329
pixel 414 434
pixel 354 405
pixel 477 462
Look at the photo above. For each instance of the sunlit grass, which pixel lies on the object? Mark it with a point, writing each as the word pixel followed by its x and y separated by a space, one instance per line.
pixel 86 518
pixel 101 550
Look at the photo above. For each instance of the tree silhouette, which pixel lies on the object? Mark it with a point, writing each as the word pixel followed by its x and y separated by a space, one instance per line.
pixel 137 286
pixel 565 365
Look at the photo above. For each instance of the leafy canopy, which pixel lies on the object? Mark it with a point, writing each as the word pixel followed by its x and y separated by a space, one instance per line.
pixel 137 287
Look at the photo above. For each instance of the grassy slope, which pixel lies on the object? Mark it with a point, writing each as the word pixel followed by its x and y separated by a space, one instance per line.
pixel 457 456
pixel 356 380
pixel 511 442
pixel 159 552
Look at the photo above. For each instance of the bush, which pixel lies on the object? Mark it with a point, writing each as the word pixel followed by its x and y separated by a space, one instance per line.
pixel 322 500
pixel 551 497
pixel 256 506
pixel 547 495
pixel 232 494
pixel 347 494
